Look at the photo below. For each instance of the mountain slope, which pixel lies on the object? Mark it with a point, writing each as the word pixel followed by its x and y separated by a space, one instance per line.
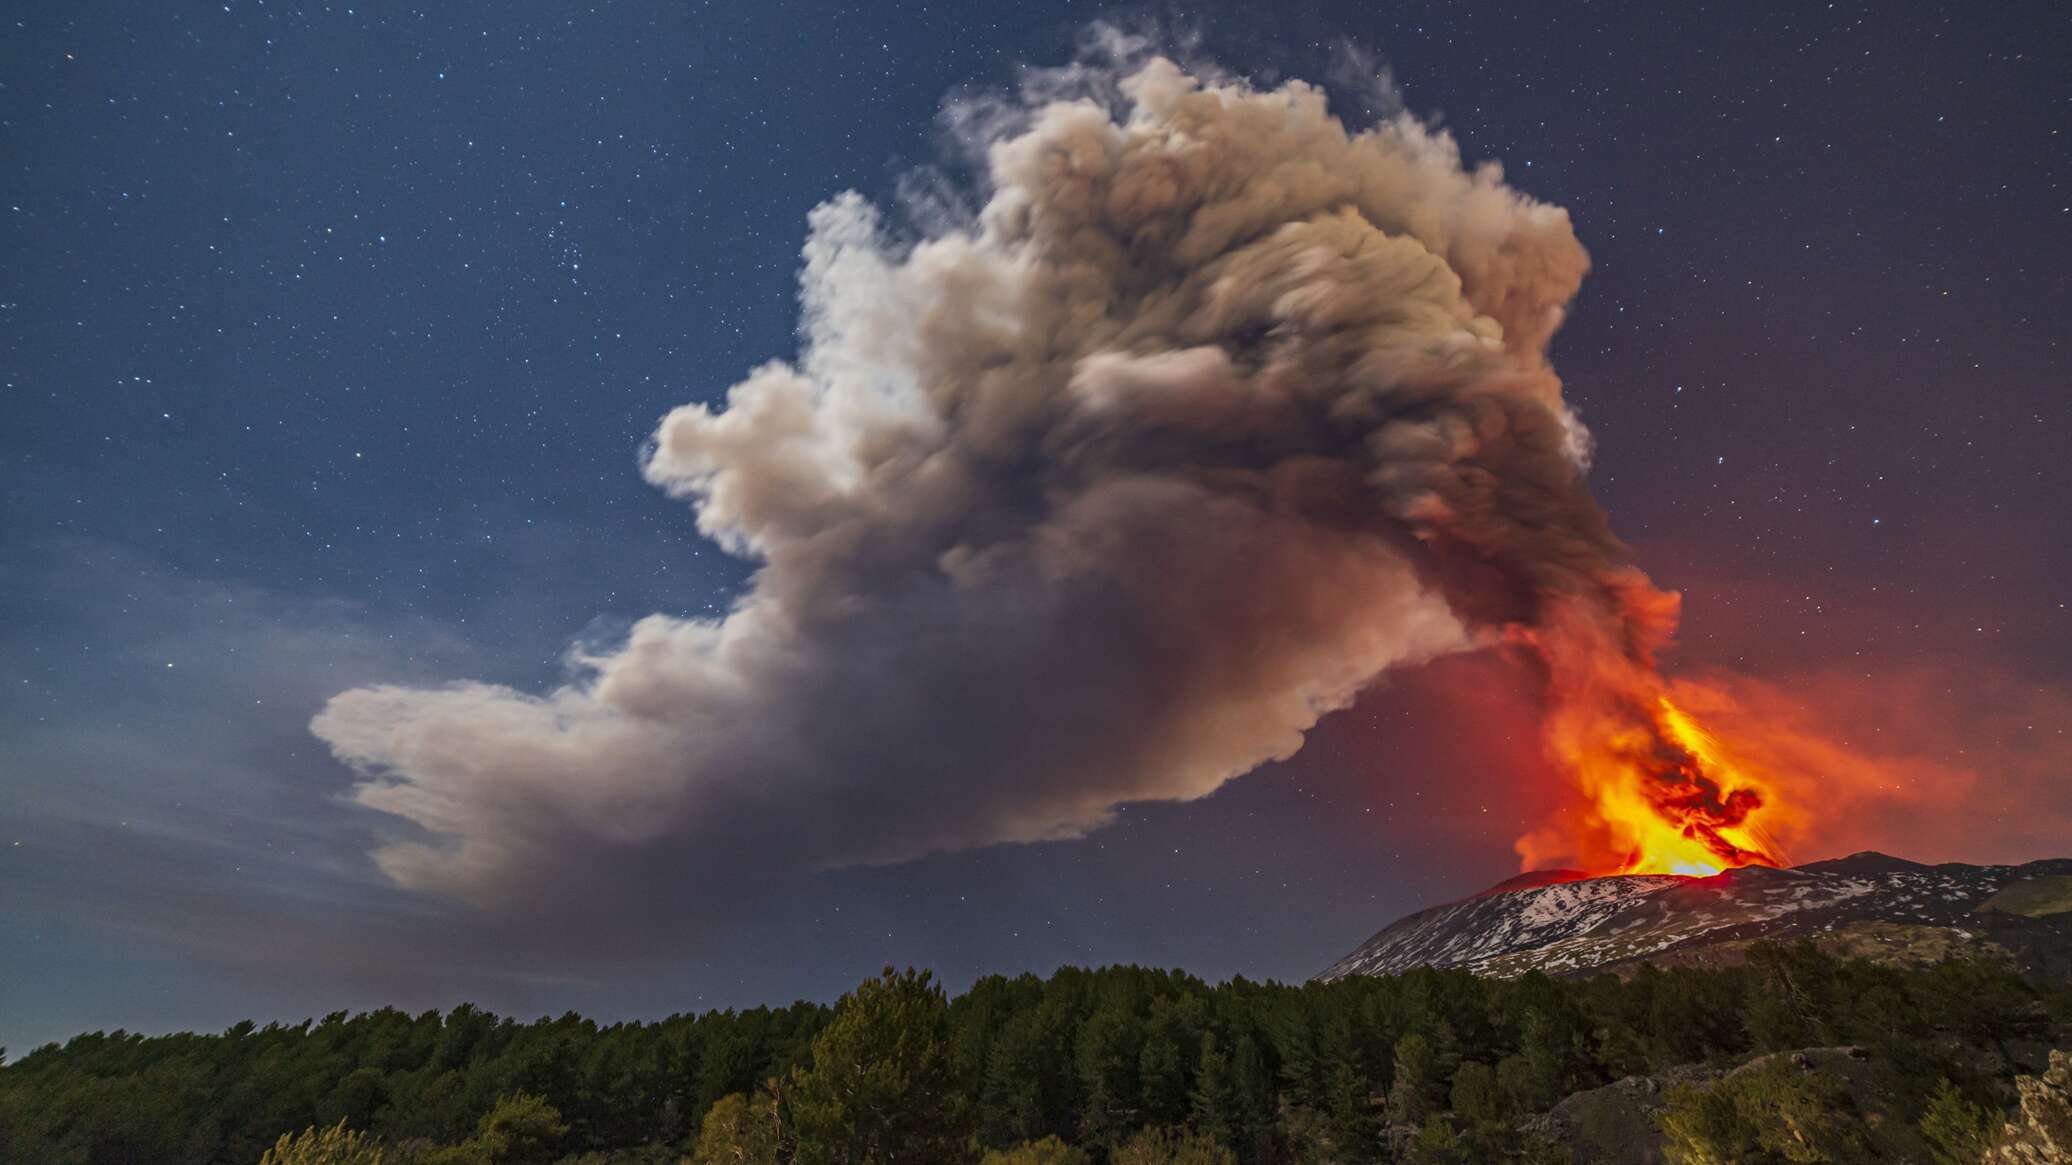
pixel 1869 904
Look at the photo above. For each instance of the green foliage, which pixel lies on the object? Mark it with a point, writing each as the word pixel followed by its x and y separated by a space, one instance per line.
pixel 881 1088
pixel 1307 1137
pixel 522 1129
pixel 1082 1061
pixel 1475 1096
pixel 1437 1144
pixel 1215 1107
pixel 333 1146
pixel 1414 1085
pixel 1958 1131
pixel 1025 1078
pixel 1048 1151
pixel 1165 1146
pixel 741 1131
pixel 2033 897
pixel 1777 1111
pixel 1163 1086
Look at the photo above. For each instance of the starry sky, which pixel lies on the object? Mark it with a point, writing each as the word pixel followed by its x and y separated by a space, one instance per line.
pixel 330 335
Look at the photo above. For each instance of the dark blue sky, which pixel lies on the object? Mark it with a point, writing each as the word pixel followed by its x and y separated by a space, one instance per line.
pixel 329 337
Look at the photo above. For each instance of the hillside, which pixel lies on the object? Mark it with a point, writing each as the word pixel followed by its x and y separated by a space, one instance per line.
pixel 1870 905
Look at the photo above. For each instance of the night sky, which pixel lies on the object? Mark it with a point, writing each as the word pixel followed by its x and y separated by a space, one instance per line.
pixel 330 338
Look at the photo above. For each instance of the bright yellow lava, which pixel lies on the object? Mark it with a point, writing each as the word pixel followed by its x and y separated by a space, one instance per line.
pixel 1666 790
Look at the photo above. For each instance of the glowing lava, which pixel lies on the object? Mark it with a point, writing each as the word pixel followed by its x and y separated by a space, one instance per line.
pixel 1660 793
pixel 1666 792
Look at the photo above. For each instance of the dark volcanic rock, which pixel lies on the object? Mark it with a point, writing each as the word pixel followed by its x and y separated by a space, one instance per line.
pixel 1615 1124
pixel 1866 904
pixel 1533 880
pixel 1867 862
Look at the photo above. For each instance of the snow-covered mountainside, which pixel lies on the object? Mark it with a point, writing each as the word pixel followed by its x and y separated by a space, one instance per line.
pixel 1868 904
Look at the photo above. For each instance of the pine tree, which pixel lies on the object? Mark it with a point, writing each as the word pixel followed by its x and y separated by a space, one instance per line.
pixel 1162 1082
pixel 1958 1131
pixel 1107 1060
pixel 1475 1093
pixel 1415 1085
pixel 882 1087
pixel 1013 1097
pixel 1215 1100
pixel 1252 1092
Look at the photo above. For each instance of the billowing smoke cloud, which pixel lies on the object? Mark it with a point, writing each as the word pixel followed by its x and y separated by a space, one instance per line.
pixel 1215 411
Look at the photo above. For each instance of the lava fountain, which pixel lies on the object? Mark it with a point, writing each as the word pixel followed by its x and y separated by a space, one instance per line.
pixel 1662 790
pixel 1659 792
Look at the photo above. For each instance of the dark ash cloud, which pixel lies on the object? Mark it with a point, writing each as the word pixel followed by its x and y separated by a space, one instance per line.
pixel 1216 411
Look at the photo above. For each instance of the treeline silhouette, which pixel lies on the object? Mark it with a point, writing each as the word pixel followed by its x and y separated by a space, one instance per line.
pixel 1122 1064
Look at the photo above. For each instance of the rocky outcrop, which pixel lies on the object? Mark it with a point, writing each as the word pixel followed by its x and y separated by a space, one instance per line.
pixel 2042 1133
pixel 1615 1124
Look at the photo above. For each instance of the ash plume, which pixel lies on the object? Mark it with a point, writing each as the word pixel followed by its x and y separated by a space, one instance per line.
pixel 1214 411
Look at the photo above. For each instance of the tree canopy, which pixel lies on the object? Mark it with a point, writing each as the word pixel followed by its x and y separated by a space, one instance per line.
pixel 1121 1064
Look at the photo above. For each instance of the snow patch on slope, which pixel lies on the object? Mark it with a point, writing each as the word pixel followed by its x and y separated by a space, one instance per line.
pixel 1574 926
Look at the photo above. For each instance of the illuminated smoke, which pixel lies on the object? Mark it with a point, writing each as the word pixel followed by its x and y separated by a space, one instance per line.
pixel 1214 411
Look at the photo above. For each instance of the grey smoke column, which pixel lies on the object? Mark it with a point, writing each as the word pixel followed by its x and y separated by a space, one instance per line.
pixel 1216 411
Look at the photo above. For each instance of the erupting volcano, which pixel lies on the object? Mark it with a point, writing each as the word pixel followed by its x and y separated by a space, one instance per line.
pixel 1209 411
pixel 1661 792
